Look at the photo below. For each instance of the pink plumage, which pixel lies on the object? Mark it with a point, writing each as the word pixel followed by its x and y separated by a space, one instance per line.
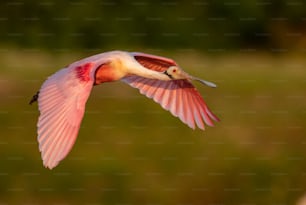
pixel 63 96
pixel 178 96
pixel 61 103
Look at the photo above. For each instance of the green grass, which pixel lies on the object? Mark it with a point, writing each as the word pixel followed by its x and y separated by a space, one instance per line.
pixel 130 151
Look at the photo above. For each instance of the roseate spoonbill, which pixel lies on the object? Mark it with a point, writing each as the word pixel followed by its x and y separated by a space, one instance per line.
pixel 62 97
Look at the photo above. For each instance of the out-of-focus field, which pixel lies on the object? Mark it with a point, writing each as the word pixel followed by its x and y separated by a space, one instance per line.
pixel 131 151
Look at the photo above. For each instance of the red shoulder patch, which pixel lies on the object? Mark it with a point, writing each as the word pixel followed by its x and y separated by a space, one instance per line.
pixel 83 71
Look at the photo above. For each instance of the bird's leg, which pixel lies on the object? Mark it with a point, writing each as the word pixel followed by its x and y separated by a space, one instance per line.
pixel 34 98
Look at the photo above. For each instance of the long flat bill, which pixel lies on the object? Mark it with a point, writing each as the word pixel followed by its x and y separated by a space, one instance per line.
pixel 209 84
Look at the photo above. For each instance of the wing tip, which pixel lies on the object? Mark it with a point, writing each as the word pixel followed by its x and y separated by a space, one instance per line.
pixel 212 115
pixel 49 165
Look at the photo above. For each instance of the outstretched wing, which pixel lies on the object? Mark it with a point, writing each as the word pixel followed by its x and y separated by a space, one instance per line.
pixel 61 101
pixel 180 97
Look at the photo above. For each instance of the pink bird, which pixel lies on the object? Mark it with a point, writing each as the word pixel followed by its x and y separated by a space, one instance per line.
pixel 62 97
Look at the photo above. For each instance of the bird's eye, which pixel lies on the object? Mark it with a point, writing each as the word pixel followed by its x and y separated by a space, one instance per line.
pixel 174 70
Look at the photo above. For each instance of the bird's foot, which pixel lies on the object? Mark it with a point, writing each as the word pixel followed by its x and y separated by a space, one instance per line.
pixel 34 98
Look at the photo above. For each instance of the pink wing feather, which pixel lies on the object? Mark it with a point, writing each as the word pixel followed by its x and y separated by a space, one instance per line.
pixel 61 101
pixel 63 96
pixel 180 97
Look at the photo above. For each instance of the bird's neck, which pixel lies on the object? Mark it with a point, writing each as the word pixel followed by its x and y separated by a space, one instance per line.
pixel 151 74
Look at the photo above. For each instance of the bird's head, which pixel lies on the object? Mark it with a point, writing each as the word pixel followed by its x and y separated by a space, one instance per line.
pixel 176 73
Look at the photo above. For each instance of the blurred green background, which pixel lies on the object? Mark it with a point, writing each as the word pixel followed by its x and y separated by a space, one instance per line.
pixel 129 150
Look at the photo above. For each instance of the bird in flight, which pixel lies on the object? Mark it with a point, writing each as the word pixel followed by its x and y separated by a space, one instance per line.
pixel 62 97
